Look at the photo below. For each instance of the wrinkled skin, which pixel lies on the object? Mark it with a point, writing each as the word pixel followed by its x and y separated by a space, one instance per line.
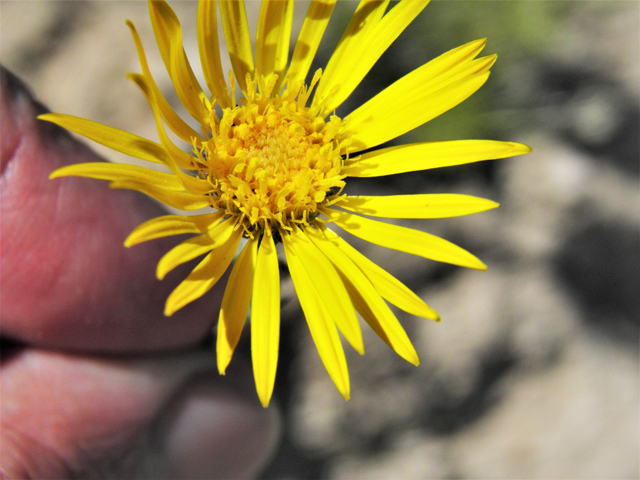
pixel 96 382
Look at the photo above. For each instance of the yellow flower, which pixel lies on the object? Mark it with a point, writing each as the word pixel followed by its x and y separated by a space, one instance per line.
pixel 272 168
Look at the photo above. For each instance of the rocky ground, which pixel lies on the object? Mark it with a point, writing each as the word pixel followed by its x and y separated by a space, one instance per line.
pixel 534 371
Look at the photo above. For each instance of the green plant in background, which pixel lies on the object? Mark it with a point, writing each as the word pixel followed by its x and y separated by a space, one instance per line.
pixel 519 30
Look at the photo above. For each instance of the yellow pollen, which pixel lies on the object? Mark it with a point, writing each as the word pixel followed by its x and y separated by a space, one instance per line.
pixel 272 161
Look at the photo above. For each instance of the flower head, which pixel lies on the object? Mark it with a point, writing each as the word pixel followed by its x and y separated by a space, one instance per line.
pixel 271 166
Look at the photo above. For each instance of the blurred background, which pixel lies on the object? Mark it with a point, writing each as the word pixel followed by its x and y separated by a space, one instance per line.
pixel 534 370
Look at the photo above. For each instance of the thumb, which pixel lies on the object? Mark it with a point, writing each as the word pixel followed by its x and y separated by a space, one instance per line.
pixel 67 280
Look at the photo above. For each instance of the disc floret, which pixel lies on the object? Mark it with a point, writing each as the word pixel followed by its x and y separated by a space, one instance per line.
pixel 273 161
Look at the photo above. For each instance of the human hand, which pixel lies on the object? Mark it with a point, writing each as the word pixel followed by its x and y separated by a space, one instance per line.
pixel 96 382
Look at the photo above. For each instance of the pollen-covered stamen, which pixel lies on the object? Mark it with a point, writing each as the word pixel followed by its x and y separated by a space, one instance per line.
pixel 271 161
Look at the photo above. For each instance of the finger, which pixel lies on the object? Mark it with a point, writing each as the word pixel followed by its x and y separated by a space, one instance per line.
pixel 67 279
pixel 66 416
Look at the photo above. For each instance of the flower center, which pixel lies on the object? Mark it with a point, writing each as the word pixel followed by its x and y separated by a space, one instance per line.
pixel 272 161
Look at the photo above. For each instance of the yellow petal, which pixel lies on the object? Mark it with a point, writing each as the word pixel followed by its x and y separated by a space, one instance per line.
pixel 235 304
pixel 315 23
pixel 417 206
pixel 328 286
pixel 210 51
pixel 118 140
pixel 172 119
pixel 441 66
pixel 265 319
pixel 119 172
pixel 368 49
pixel 204 276
pixel 196 246
pixel 323 328
pixel 174 158
pixel 170 197
pixel 383 322
pixel 385 284
pixel 383 118
pixel 432 76
pixel 404 239
pixel 273 37
pixel 435 75
pixel 236 32
pixel 168 32
pixel 424 156
pixel 168 225
pixel 350 47
pixel 367 300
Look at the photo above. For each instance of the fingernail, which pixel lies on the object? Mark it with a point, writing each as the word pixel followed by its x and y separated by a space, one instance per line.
pixel 216 430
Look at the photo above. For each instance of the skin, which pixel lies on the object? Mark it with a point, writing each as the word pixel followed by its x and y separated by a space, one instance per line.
pixel 96 382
